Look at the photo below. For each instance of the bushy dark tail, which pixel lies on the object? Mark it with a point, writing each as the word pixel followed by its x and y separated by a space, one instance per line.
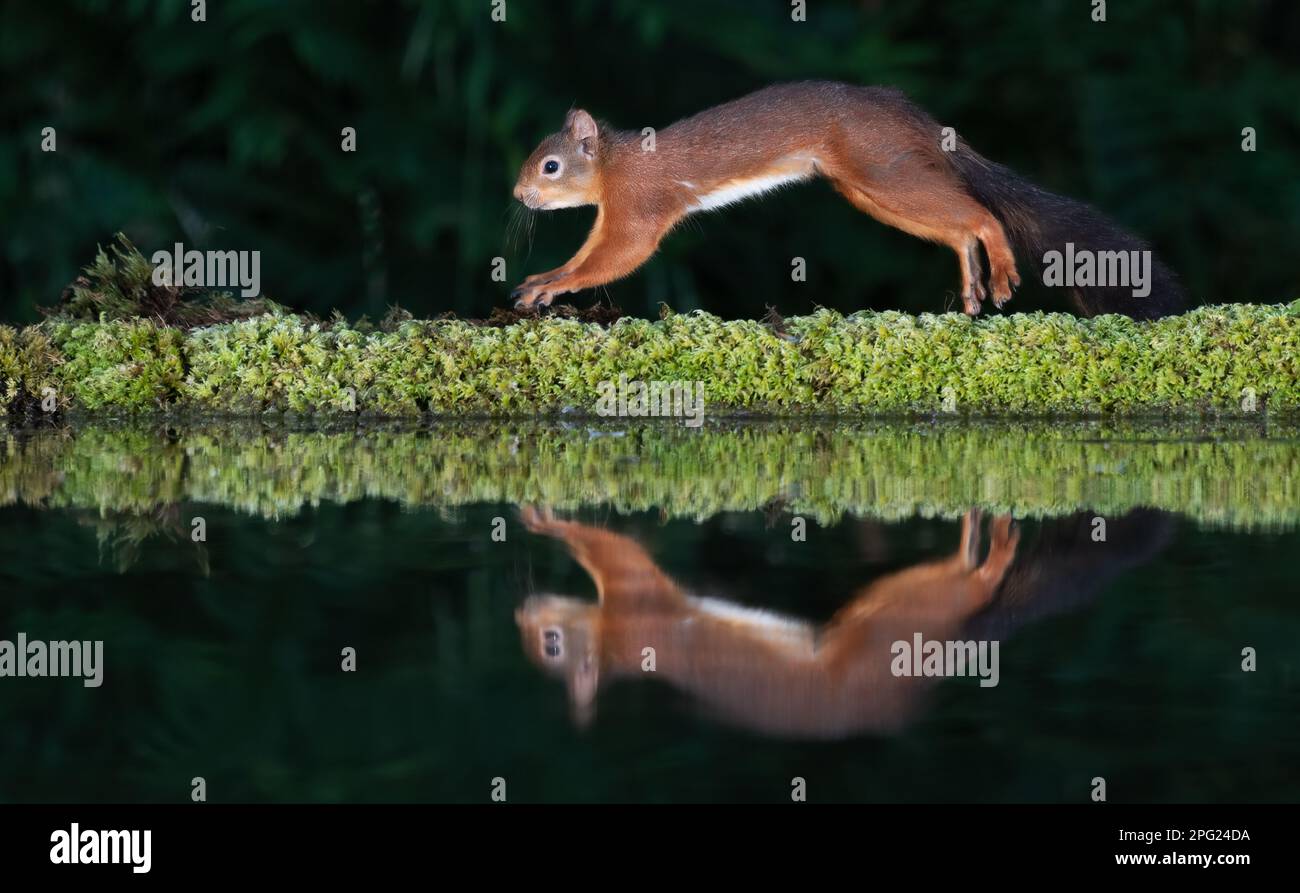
pixel 1037 221
pixel 1063 568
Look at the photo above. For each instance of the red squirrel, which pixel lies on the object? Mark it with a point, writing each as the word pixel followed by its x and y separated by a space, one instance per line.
pixel 877 148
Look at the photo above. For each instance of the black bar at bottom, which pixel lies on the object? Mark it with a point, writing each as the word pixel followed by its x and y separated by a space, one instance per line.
pixel 333 843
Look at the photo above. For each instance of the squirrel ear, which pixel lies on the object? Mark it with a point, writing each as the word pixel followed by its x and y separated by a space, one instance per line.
pixel 581 126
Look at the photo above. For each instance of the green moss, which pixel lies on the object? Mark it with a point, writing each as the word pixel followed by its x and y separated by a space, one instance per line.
pixel 274 362
pixel 1214 359
pixel 27 368
pixel 1229 474
pixel 867 363
pixel 122 365
pixel 119 285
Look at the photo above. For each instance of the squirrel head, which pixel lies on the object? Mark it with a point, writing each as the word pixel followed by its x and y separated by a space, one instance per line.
pixel 562 636
pixel 561 172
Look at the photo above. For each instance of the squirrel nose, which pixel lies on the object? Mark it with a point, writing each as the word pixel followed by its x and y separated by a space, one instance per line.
pixel 519 193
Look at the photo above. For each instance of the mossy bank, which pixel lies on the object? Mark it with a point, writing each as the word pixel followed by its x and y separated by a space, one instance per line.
pixel 1231 359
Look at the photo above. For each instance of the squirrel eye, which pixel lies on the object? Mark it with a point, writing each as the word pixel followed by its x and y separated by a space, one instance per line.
pixel 551 166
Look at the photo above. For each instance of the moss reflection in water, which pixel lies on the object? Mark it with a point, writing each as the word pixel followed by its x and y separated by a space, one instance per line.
pixel 1229 475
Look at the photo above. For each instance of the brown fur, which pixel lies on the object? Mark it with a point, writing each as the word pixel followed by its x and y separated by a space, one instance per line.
pixel 877 149
pixel 787 678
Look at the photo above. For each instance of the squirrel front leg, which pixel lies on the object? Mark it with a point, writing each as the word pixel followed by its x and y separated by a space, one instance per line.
pixel 624 573
pixel 616 247
pixel 530 283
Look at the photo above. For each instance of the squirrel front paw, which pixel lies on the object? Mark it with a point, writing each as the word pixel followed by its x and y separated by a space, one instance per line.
pixel 537 519
pixel 539 290
pixel 532 297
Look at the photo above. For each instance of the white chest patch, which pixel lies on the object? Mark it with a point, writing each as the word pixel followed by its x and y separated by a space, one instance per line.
pixel 733 191
pixel 776 628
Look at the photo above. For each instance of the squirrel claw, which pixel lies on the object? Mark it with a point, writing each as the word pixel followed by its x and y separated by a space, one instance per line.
pixel 536 518
pixel 532 296
pixel 1003 288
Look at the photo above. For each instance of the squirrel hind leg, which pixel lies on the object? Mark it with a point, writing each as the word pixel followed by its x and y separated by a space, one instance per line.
pixel 1004 534
pixel 968 553
pixel 972 276
pixel 1003 277
pixel 949 217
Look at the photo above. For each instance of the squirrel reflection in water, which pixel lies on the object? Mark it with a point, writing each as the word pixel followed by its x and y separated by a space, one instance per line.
pixel 786 677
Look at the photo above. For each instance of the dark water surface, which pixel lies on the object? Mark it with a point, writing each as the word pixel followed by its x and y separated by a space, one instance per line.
pixel 479 657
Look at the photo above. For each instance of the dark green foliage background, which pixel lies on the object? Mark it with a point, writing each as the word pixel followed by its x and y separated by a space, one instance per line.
pixel 226 134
